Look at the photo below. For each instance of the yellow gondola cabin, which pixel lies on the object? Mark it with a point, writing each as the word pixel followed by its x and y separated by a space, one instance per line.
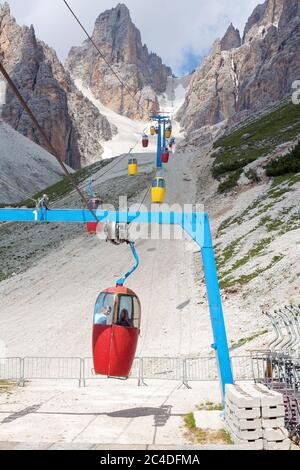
pixel 132 167
pixel 158 189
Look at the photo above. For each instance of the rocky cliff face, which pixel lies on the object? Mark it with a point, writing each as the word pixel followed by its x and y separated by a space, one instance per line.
pixel 120 42
pixel 239 80
pixel 232 39
pixel 73 124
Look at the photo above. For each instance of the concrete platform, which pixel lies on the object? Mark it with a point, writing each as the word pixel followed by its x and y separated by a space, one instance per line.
pixel 111 414
pixel 97 447
pixel 209 420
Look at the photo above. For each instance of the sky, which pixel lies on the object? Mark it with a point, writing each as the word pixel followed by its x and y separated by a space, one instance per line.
pixel 180 31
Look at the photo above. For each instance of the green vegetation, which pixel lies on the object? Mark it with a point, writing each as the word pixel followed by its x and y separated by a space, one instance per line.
pixel 4 276
pixel 280 186
pixel 274 225
pixel 230 182
pixel 64 186
pixel 252 176
pixel 246 278
pixel 224 225
pixel 288 179
pixel 228 253
pixel 278 126
pixel 242 341
pixel 210 406
pixel 189 421
pixel 204 436
pixel 257 139
pixel 7 386
pixel 286 164
pixel 257 250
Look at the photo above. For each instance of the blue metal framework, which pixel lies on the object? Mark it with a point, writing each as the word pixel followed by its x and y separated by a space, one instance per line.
pixel 196 225
pixel 123 279
pixel 161 138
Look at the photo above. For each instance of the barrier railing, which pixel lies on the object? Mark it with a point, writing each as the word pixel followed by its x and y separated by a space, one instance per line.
pixel 48 368
pixel 11 369
pixel 201 368
pixel 242 367
pixel 182 370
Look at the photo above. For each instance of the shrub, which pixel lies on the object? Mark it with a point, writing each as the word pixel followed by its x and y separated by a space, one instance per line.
pixel 230 182
pixel 287 164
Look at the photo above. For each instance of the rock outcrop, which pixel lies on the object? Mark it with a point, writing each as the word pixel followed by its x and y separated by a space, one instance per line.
pixel 232 39
pixel 73 124
pixel 120 42
pixel 240 80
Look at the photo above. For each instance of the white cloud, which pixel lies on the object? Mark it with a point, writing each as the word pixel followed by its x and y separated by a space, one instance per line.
pixel 171 28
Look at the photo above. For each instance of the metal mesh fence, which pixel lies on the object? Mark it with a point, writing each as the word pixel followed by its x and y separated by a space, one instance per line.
pixel 201 368
pixel 183 370
pixel 66 368
pixel 11 368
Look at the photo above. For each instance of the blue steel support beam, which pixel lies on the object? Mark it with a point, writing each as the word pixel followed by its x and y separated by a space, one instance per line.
pixel 215 306
pixel 123 279
pixel 158 153
pixel 190 220
pixel 164 135
pixel 197 227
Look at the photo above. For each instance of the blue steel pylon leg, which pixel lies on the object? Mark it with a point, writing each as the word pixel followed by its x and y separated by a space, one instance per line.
pixel 216 311
pixel 158 159
pixel 164 135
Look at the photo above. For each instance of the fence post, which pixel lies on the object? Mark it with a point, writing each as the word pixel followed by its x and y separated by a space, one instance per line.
pixel 184 382
pixel 22 375
pixel 141 373
pixel 81 372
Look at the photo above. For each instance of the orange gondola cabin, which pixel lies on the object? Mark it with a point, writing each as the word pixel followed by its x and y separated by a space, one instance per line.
pixel 117 318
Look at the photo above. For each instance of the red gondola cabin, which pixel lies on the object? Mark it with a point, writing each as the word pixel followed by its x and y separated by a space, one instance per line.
pixel 116 329
pixel 145 141
pixel 165 156
pixel 93 204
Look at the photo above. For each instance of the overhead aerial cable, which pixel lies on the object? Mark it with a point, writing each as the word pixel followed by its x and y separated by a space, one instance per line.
pixel 43 134
pixel 133 96
pixel 117 161
pixel 18 190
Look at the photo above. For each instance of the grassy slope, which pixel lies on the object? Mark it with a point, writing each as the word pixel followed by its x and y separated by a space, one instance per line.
pixel 271 215
pixel 64 186
pixel 264 135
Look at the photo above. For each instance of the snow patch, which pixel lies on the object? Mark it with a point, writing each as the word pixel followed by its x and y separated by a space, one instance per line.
pixel 129 134
pixel 2 93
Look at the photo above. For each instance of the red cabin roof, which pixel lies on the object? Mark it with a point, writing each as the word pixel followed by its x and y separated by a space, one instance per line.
pixel 119 290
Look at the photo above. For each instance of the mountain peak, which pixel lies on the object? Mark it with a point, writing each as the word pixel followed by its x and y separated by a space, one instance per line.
pixel 5 8
pixel 120 13
pixel 121 43
pixel 267 14
pixel 231 39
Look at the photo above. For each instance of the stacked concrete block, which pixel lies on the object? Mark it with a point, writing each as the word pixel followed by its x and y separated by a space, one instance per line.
pixel 243 417
pixel 255 415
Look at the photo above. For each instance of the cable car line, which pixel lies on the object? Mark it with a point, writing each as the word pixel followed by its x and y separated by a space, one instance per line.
pixel 20 191
pixel 105 60
pixel 118 160
pixel 43 134
pixel 117 314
